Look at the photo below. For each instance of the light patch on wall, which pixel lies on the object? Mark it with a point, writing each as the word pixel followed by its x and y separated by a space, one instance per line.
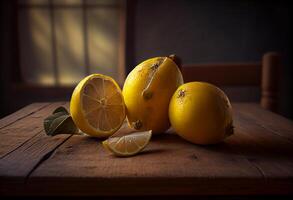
pixel 63 41
pixel 69 45
pixel 35 46
pixel 103 41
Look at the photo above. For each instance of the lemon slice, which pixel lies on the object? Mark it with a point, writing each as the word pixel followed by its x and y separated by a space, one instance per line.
pixel 97 106
pixel 128 145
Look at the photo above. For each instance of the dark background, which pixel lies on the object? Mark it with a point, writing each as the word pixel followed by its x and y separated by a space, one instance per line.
pixel 198 31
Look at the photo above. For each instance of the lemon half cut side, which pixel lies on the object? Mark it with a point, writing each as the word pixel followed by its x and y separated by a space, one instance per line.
pixel 97 106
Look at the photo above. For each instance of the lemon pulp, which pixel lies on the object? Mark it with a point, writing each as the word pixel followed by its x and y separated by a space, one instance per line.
pixel 97 106
pixel 128 145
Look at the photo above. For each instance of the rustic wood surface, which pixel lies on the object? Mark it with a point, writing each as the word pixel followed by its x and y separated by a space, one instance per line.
pixel 256 160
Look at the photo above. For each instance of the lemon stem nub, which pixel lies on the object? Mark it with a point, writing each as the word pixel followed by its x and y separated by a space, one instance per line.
pixel 137 124
pixel 176 60
pixel 147 94
pixel 181 93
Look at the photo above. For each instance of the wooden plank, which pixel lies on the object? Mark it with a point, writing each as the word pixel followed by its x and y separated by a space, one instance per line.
pixel 16 134
pixel 26 148
pixel 268 152
pixel 266 119
pixel 254 160
pixel 224 74
pixel 27 110
pixel 16 167
pixel 249 162
pixel 177 166
pixel 168 166
pixel 92 160
pixel 24 159
pixel 152 186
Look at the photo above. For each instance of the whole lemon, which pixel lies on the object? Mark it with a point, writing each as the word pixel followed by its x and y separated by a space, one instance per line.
pixel 201 113
pixel 147 92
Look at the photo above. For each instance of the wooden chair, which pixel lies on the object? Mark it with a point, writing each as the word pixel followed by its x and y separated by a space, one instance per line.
pixel 264 75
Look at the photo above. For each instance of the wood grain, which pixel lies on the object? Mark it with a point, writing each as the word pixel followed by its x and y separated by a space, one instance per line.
pixel 15 134
pixel 169 165
pixel 27 110
pixel 24 145
pixel 166 159
pixel 249 158
pixel 16 168
pixel 257 159
pixel 24 159
pixel 268 152
pixel 159 159
pixel 266 119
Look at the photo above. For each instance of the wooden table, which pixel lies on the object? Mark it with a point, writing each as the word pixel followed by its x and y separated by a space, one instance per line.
pixel 256 160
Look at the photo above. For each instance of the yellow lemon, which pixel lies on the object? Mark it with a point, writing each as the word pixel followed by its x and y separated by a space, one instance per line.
pixel 201 113
pixel 128 145
pixel 147 92
pixel 97 106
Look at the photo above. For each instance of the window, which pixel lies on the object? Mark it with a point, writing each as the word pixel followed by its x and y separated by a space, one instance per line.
pixel 61 41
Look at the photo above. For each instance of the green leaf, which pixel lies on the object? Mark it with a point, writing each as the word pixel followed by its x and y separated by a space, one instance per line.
pixel 48 121
pixel 61 109
pixel 60 122
pixel 62 125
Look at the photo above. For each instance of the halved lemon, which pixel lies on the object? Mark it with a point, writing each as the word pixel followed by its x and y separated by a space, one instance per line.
pixel 97 106
pixel 128 145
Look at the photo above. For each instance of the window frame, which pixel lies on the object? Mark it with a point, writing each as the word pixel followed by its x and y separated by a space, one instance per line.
pixel 18 82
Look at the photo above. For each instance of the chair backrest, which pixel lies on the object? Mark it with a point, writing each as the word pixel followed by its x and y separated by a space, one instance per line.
pixel 263 74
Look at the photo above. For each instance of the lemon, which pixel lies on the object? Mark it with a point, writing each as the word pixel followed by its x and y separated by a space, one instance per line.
pixel 201 113
pixel 97 106
pixel 128 145
pixel 147 92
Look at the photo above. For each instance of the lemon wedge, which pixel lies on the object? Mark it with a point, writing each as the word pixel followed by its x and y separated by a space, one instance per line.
pixel 128 145
pixel 97 106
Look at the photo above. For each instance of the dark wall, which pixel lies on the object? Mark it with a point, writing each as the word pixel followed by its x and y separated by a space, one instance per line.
pixel 7 56
pixel 198 31
pixel 216 31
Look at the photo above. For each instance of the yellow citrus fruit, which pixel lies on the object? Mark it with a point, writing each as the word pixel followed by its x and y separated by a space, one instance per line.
pixel 97 106
pixel 201 113
pixel 147 92
pixel 128 145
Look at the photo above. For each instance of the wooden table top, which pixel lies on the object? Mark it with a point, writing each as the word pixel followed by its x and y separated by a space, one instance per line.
pixel 257 159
